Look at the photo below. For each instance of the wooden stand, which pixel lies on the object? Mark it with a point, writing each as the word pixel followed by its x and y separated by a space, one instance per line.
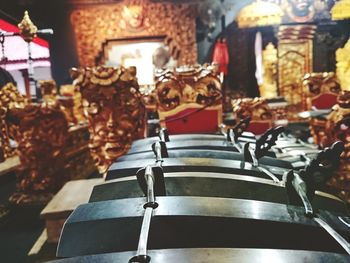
pixel 72 194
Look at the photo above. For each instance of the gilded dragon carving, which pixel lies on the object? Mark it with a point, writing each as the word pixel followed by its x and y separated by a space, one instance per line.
pixel 255 108
pixel 135 19
pixel 113 106
pixel 188 84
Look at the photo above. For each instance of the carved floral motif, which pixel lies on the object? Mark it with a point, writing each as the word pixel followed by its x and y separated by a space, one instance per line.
pixel 9 98
pixel 129 19
pixel 257 109
pixel 188 84
pixel 41 135
pixel 113 105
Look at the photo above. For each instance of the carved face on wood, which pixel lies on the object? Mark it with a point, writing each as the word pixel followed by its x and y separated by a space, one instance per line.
pixel 256 108
pixel 190 84
pixel 113 106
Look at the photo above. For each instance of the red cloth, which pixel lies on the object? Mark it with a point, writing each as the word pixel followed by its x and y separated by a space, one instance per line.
pixel 204 121
pixel 325 101
pixel 220 56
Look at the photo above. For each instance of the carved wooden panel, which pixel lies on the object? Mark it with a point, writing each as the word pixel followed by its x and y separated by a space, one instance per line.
pixel 129 19
pixel 294 61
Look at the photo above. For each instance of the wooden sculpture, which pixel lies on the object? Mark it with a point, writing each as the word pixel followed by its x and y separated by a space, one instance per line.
pixel 48 91
pixel 113 105
pixel 320 92
pixel 74 92
pixel 9 98
pixel 338 128
pixel 41 133
pixel 257 109
pixel 189 99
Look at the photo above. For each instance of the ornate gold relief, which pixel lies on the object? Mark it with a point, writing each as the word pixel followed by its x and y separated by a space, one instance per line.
pixel 5 149
pixel 257 109
pixel 260 13
pixel 320 91
pixel 26 28
pixel 268 89
pixel 341 10
pixel 48 91
pixel 319 84
pixel 294 60
pixel 338 125
pixel 113 105
pixel 9 98
pixel 130 19
pixel 73 92
pixel 188 84
pixel 338 128
pixel 41 137
pixel 343 65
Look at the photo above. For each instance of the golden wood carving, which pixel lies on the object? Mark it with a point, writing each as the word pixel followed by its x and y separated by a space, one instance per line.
pixel 319 86
pixel 9 98
pixel 73 92
pixel 341 10
pixel 316 84
pixel 48 90
pixel 268 88
pixel 343 65
pixel 188 84
pixel 260 13
pixel 130 19
pixel 5 149
pixel 26 28
pixel 41 135
pixel 257 109
pixel 294 61
pixel 113 106
pixel 338 128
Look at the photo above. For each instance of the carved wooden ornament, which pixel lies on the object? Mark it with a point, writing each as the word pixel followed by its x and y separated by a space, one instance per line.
pixel 113 105
pixel 41 134
pixel 136 19
pixel 188 84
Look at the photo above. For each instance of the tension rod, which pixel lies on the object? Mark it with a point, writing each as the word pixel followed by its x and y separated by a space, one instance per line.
pixel 149 206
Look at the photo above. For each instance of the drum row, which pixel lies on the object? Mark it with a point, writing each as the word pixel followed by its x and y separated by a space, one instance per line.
pixel 213 198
